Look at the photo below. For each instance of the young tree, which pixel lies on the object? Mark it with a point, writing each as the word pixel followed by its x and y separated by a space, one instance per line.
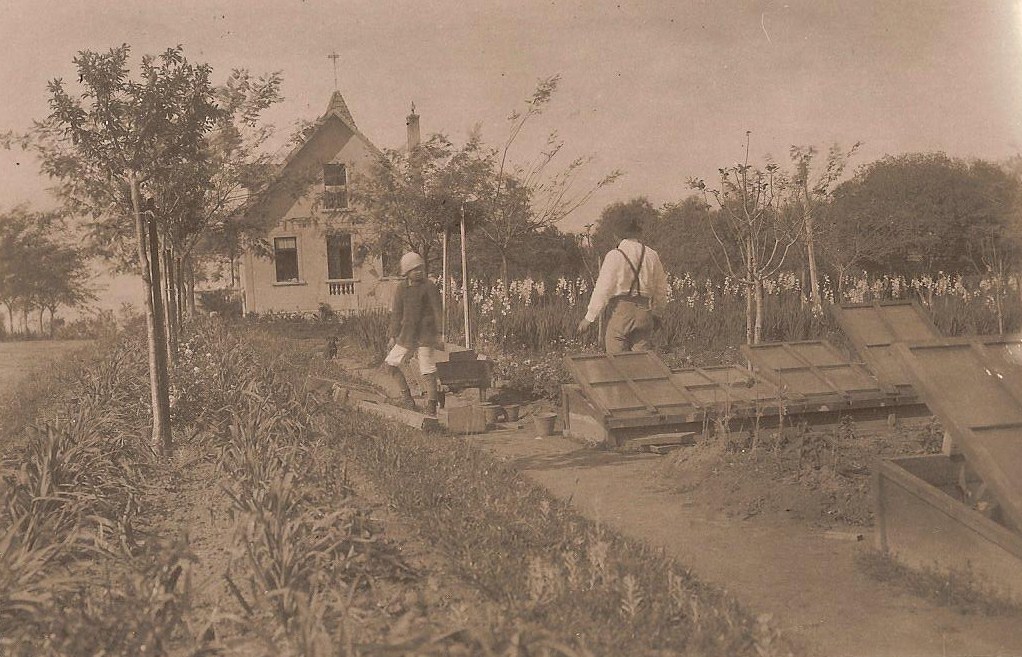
pixel 810 193
pixel 40 267
pixel 15 238
pixel 527 199
pixel 754 233
pixel 109 146
pixel 412 197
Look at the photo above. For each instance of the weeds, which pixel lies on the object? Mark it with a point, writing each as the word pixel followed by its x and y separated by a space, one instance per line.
pixel 551 567
pixel 961 590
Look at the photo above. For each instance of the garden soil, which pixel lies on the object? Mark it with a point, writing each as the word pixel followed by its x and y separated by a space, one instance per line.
pixel 779 547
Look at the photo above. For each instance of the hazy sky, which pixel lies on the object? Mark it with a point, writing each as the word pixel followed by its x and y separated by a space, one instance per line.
pixel 663 90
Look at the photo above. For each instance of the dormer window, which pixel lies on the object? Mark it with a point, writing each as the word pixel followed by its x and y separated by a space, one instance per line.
pixel 335 186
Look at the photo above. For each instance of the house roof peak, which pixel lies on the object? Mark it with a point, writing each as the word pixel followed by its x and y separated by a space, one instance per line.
pixel 340 109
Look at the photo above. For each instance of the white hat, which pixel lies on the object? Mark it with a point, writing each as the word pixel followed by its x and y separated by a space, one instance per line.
pixel 410 261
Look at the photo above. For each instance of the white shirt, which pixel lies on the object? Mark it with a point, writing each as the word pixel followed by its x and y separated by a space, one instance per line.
pixel 616 278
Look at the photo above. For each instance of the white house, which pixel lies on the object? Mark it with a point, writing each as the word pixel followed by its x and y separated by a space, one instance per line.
pixel 315 246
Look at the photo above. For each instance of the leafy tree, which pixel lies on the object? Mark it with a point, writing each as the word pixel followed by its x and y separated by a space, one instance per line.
pixel 544 255
pixel 810 193
pixel 109 146
pixel 604 236
pixel 412 197
pixel 754 230
pixel 41 267
pixel 683 236
pixel 923 212
pixel 198 203
pixel 62 280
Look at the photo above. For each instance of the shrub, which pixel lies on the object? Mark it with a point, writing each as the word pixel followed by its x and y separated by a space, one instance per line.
pixel 225 302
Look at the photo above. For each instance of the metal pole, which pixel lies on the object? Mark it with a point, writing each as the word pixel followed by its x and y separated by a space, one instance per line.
pixel 464 281
pixel 443 288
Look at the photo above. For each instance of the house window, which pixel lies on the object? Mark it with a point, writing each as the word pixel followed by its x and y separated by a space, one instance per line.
pixel 335 186
pixel 285 256
pixel 338 257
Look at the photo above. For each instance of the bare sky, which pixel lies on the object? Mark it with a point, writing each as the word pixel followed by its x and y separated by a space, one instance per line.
pixel 662 89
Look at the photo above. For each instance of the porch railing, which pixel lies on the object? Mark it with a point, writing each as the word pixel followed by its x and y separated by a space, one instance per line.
pixel 336 288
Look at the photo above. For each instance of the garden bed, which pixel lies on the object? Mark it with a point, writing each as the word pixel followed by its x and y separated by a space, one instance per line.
pixel 263 534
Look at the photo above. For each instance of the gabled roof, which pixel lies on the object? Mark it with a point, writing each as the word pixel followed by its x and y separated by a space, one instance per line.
pixel 336 110
pixel 339 108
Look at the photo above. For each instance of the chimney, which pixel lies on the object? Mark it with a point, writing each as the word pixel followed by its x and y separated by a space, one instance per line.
pixel 414 139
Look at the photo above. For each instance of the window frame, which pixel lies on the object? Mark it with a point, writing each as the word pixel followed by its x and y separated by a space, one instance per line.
pixel 335 194
pixel 277 251
pixel 351 256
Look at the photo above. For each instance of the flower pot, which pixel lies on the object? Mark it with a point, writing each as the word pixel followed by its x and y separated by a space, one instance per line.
pixel 544 423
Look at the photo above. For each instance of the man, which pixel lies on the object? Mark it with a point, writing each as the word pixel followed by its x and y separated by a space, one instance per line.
pixel 633 285
pixel 415 324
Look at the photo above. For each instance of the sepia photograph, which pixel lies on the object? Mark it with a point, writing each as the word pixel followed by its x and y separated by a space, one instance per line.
pixel 548 328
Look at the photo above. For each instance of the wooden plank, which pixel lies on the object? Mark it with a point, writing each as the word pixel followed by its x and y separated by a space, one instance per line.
pixel 413 419
pixel 977 394
pixel 678 438
pixel 581 417
pixel 891 470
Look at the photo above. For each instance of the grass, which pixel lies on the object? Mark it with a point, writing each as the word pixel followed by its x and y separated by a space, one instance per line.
pixel 546 563
pixel 961 590
pixel 68 509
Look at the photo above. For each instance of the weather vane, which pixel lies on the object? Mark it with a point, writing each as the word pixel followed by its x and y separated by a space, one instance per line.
pixel 334 56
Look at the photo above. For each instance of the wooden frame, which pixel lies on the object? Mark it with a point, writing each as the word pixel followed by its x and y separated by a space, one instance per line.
pixel 872 331
pixel 921 525
pixel 823 373
pixel 979 399
pixel 641 410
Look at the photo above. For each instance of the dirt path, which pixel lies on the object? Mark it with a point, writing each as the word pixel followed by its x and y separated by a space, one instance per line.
pixel 808 582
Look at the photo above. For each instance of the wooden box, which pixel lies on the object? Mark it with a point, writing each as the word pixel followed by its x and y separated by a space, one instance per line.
pixel 923 522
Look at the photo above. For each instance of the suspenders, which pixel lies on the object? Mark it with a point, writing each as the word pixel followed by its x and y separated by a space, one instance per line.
pixel 635 289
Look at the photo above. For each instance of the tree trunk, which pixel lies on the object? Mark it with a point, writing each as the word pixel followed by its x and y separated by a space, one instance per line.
pixel 41 312
pixel 179 285
pixel 10 316
pixel 53 311
pixel 999 304
pixel 170 307
pixel 505 274
pixel 191 287
pixel 159 378
pixel 749 294
pixel 749 314
pixel 758 333
pixel 814 276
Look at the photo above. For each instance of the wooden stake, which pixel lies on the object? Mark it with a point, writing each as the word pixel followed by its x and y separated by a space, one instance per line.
pixel 464 281
pixel 443 287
